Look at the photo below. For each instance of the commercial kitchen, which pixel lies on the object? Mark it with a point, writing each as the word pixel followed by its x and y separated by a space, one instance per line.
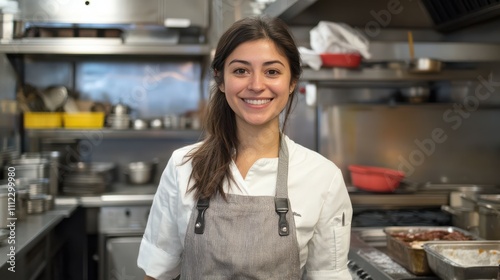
pixel 95 96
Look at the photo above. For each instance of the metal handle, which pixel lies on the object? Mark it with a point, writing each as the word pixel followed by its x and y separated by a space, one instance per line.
pixel 449 210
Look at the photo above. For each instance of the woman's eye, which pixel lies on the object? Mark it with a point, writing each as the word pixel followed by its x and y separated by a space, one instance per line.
pixel 239 71
pixel 273 72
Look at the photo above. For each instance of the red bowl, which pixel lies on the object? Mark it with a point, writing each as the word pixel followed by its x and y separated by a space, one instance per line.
pixel 346 60
pixel 375 179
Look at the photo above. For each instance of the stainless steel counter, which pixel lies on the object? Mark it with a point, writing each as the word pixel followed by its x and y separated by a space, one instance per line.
pixel 30 230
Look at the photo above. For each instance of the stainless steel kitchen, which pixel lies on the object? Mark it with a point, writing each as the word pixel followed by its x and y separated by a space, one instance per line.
pixel 401 95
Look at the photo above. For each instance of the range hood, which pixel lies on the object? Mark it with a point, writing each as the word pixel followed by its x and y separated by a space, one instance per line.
pixel 439 15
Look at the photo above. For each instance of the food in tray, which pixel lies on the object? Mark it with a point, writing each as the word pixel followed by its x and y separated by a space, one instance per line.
pixel 418 238
pixel 473 257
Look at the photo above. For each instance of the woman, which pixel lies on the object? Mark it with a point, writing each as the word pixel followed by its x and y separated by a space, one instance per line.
pixel 248 202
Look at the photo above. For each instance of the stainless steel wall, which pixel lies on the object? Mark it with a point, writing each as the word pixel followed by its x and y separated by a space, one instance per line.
pixel 436 143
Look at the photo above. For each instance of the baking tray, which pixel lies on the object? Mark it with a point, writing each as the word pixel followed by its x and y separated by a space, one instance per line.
pixel 463 267
pixel 414 258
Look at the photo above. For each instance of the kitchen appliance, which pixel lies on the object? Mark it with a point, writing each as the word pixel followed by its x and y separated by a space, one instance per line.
pixel 120 233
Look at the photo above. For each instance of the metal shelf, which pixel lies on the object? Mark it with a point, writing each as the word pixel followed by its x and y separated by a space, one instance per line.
pixel 333 75
pixel 98 46
pixel 114 133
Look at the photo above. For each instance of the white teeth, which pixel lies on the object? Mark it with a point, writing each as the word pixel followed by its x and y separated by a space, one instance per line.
pixel 257 102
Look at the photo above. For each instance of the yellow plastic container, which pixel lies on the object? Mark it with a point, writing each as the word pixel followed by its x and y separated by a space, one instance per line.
pixel 42 120
pixel 83 120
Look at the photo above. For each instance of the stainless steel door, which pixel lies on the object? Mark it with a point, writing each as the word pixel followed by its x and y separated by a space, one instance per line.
pixel 121 254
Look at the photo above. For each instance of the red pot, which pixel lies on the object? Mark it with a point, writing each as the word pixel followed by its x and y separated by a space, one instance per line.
pixel 375 179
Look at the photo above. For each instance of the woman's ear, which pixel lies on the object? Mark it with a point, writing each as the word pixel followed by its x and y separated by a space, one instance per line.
pixel 292 86
pixel 222 88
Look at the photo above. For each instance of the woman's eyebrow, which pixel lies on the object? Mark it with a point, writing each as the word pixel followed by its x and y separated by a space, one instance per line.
pixel 248 63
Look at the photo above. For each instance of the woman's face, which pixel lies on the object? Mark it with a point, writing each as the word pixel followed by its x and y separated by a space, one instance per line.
pixel 257 82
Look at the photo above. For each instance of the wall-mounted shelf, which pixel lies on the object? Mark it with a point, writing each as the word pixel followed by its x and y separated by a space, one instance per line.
pixel 342 75
pixel 97 46
pixel 114 133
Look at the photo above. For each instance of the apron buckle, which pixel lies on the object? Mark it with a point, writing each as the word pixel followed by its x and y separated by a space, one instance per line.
pixel 281 205
pixel 202 206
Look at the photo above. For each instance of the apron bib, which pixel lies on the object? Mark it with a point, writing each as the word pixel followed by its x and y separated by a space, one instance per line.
pixel 247 237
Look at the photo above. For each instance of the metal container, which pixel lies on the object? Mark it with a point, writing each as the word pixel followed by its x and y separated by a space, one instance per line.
pixel 463 217
pixel 489 216
pixel 425 65
pixel 89 178
pixel 414 258
pixel 140 172
pixel 4 205
pixel 453 268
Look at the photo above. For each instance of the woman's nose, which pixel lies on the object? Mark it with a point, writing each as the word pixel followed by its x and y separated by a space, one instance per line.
pixel 256 83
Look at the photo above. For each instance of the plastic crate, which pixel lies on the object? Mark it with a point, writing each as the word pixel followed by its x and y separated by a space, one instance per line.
pixel 84 120
pixel 42 120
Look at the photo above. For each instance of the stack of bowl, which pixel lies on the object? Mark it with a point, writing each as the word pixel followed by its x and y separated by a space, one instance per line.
pixel 119 117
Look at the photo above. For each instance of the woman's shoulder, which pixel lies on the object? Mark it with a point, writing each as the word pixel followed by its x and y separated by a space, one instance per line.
pixel 300 155
pixel 179 154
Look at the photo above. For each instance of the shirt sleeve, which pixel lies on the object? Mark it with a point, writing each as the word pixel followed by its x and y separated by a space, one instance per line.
pixel 329 246
pixel 160 250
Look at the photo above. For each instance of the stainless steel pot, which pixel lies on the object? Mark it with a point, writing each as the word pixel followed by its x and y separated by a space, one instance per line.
pixel 463 217
pixel 141 172
pixel 425 65
pixel 4 210
pixel 489 216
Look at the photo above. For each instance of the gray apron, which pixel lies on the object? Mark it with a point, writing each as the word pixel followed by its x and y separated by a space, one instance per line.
pixel 247 237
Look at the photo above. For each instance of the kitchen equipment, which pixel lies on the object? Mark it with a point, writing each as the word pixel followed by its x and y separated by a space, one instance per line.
pixel 54 97
pixel 118 121
pixel 464 260
pixel 375 179
pixel 140 172
pixel 42 120
pixel 4 204
pixel 140 124
pixel 489 216
pixel 156 123
pixel 345 60
pixel 84 120
pixel 425 65
pixel 463 217
pixel 36 204
pixel 171 121
pixel 416 94
pixel 412 256
pixel 88 178
pixel 421 65
pixel 120 109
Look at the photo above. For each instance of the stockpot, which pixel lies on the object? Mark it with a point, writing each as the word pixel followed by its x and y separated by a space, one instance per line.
pixel 489 216
pixel 463 217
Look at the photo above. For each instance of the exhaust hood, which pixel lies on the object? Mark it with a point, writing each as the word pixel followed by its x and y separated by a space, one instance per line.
pixel 439 15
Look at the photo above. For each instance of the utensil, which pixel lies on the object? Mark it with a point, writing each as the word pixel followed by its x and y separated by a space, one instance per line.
pixel 140 172
pixel 54 97
pixel 411 46
pixel 421 65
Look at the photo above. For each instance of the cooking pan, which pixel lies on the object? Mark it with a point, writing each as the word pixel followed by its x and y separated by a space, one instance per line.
pixel 424 64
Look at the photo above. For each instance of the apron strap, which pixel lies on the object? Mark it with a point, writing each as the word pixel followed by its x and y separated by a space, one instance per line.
pixel 281 201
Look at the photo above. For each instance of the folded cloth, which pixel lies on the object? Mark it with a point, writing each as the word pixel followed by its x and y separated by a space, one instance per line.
pixel 332 37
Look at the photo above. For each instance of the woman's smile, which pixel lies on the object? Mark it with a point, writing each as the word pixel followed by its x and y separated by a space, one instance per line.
pixel 257 82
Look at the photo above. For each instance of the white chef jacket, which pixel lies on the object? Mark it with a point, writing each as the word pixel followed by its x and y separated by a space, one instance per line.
pixel 318 198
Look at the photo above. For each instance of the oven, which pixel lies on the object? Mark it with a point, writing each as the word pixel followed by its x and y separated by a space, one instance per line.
pixel 120 234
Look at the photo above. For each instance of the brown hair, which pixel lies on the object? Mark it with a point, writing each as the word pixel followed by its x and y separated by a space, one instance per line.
pixel 211 161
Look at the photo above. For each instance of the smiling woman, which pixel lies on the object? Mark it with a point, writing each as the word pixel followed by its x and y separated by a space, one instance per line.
pixel 248 202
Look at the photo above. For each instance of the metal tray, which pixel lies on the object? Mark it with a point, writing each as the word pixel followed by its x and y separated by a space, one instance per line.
pixel 447 268
pixel 414 259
